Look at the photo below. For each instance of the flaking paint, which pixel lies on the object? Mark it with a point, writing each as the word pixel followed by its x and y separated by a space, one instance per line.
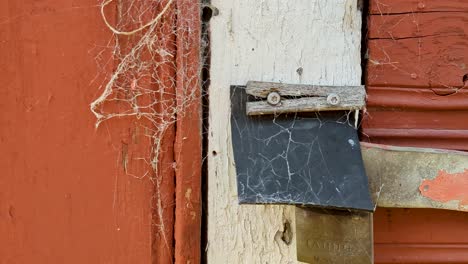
pixel 447 187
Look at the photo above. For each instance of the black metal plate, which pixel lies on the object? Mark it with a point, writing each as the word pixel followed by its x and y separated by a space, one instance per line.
pixel 308 159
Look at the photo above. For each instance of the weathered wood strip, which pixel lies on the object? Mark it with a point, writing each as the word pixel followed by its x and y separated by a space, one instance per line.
pixel 307 104
pixel 188 141
pixel 383 7
pixel 262 89
pixel 392 98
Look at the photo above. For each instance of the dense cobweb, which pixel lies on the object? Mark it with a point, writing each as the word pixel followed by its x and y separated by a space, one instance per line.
pixel 143 79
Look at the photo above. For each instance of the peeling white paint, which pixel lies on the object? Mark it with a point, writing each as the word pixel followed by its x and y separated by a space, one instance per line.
pixel 268 40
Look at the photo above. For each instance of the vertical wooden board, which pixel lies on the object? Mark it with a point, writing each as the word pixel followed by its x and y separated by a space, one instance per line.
pixel 163 199
pixel 306 41
pixel 188 145
pixel 68 193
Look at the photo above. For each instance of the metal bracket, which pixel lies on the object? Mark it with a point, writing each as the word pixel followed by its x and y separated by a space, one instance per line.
pixel 312 160
pixel 297 158
pixel 287 98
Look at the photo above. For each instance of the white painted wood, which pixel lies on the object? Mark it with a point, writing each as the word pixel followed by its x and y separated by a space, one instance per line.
pixel 268 40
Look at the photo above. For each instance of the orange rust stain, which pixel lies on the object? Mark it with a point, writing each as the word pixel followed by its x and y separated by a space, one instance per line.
pixel 447 187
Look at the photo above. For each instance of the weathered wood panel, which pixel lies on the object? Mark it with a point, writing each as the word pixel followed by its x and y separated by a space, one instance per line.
pixel 65 196
pixel 420 236
pixel 384 7
pixel 418 50
pixel 308 42
pixel 188 145
pixel 71 193
pixel 416 97
pixel 417 74
pixel 306 98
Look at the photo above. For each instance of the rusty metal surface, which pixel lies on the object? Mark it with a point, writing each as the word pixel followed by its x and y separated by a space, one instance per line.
pixel 332 236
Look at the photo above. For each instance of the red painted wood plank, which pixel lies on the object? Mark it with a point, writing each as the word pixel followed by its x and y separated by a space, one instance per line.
pixel 416 25
pixel 421 62
pixel 188 145
pixel 416 99
pixel 64 194
pixel 420 236
pixel 416 117
pixel 383 7
pixel 164 181
pixel 418 50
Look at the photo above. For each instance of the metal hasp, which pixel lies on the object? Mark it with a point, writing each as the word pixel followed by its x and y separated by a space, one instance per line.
pixel 285 156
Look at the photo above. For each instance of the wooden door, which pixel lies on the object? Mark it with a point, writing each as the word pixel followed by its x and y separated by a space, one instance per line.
pixel 416 83
pixel 71 192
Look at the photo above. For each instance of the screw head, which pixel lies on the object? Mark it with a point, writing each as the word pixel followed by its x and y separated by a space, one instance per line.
pixel 333 99
pixel 274 98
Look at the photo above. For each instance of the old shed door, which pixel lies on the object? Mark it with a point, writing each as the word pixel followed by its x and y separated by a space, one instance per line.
pixel 74 193
pixel 417 77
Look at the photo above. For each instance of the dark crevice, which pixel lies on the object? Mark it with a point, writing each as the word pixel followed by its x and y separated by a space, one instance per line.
pixel 364 5
pixel 174 157
pixel 286 234
pixel 208 11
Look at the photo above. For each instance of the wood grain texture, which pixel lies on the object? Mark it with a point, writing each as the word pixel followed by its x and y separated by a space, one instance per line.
pixel 415 99
pixel 417 62
pixel 310 98
pixel 163 199
pixel 418 50
pixel 307 104
pixel 188 145
pixel 417 75
pixel 66 193
pixel 262 89
pixel 306 41
pixel 384 7
pixel 420 236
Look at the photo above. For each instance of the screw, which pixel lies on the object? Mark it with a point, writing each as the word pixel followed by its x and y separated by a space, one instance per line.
pixel 273 98
pixel 333 99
